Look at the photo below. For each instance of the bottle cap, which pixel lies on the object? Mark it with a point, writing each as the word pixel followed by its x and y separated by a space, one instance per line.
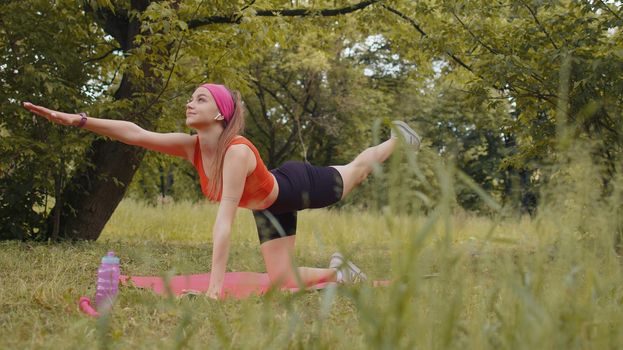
pixel 110 258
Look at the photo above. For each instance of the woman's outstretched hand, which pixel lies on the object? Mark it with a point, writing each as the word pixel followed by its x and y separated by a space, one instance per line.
pixel 53 116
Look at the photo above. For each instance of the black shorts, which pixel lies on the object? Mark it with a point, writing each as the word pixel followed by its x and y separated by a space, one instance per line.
pixel 301 186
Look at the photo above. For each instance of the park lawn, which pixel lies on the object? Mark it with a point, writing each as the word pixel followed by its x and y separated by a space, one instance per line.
pixel 459 281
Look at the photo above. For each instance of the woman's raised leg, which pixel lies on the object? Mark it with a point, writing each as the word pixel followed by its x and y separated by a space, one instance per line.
pixel 356 171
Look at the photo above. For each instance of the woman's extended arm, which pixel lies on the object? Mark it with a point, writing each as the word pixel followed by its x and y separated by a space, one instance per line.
pixel 177 144
pixel 235 168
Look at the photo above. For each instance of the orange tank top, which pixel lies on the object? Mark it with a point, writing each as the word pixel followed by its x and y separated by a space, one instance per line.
pixel 258 185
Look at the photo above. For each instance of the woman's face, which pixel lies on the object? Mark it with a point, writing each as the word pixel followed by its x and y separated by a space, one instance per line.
pixel 201 109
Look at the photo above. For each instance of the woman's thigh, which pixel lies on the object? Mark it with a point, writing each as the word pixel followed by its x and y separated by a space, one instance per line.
pixel 351 177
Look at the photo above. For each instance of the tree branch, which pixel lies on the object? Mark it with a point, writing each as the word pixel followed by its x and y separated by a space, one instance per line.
pixel 114 24
pixel 102 56
pixel 604 5
pixel 255 118
pixel 286 89
pixel 114 74
pixel 247 5
pixel 279 101
pixel 287 146
pixel 514 88
pixel 300 12
pixel 533 13
pixel 262 100
pixel 417 27
pixel 311 12
pixel 259 126
pixel 406 18
pixel 489 48
pixel 175 5
pixel 494 51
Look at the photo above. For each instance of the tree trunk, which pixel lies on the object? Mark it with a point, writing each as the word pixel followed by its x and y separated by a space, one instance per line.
pixel 94 193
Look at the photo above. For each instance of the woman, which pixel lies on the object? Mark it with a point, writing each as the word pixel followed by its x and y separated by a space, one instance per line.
pixel 232 172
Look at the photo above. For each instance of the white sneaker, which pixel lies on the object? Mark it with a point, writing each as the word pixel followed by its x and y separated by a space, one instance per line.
pixel 408 134
pixel 349 272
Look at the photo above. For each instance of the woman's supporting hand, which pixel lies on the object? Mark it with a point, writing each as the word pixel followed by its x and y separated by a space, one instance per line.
pixel 53 116
pixel 193 292
pixel 214 295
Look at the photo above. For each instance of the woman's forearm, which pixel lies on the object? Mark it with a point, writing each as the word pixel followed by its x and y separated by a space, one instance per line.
pixel 220 253
pixel 120 130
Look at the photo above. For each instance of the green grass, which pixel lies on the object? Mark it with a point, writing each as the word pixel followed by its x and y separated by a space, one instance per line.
pixel 516 284
pixel 554 281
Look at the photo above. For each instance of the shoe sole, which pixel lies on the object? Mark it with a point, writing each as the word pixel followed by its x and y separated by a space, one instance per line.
pixel 410 131
pixel 190 293
pixel 356 270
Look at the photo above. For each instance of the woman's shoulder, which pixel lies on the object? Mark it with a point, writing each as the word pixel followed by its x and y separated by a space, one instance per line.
pixel 241 151
pixel 241 140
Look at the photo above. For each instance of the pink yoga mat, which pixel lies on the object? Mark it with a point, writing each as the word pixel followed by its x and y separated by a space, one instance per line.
pixel 236 285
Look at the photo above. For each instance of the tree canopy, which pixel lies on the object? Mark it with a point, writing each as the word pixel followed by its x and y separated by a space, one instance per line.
pixel 500 87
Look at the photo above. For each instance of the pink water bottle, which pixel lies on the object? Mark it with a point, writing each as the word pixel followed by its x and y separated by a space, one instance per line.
pixel 107 282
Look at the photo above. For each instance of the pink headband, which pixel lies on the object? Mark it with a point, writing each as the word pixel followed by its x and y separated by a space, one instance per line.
pixel 223 98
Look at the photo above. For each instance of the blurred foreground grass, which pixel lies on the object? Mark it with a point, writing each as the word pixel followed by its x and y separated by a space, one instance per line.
pixel 554 281
pixel 518 283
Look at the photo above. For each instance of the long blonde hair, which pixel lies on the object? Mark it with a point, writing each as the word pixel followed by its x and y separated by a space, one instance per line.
pixel 232 129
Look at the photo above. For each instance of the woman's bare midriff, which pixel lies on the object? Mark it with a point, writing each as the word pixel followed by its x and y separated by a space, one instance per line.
pixel 269 200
